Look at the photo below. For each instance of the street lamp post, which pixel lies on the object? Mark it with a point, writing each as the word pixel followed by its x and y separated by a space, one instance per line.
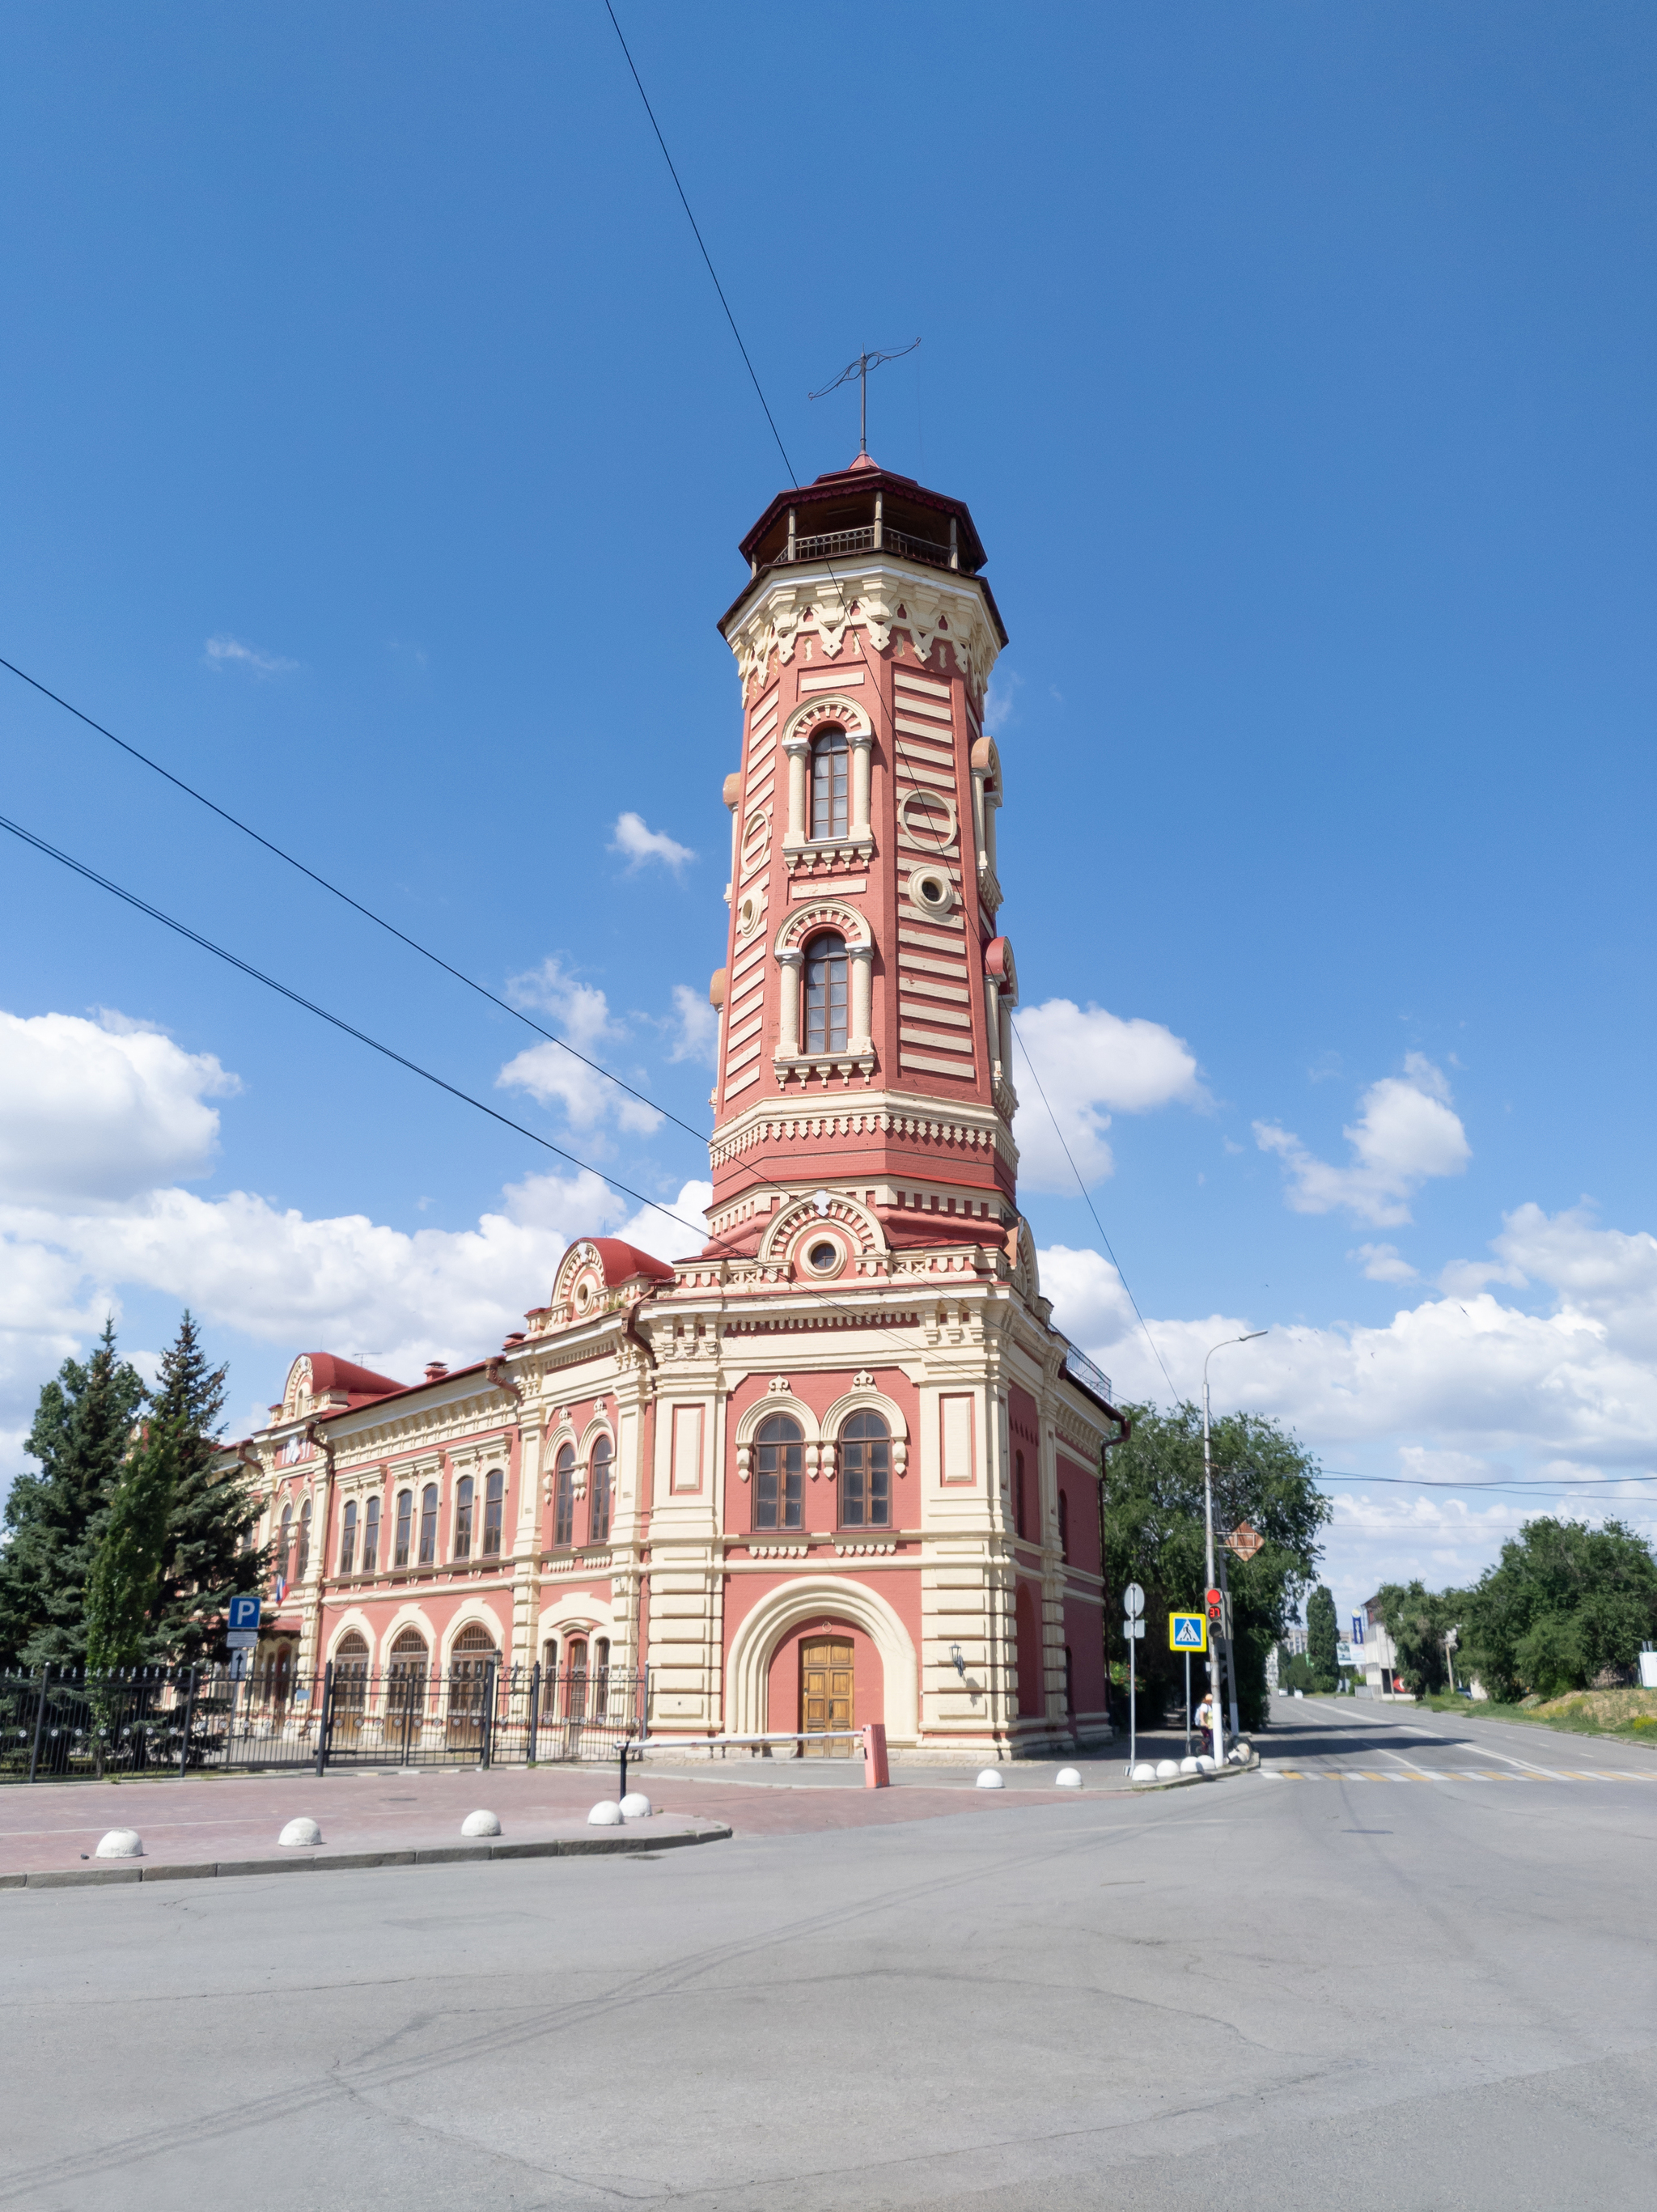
pixel 1208 1530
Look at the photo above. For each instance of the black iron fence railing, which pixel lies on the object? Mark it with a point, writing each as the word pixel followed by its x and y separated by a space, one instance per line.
pixel 60 1726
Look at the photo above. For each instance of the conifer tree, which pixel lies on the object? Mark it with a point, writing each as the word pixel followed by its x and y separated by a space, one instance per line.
pixel 1321 1639
pixel 204 1562
pixel 126 1568
pixel 83 1427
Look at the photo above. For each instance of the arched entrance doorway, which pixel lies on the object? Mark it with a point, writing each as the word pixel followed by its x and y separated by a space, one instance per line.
pixel 405 1691
pixel 828 1694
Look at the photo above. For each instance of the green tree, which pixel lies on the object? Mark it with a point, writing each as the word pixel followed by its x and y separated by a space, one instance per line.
pixel 126 1567
pixel 1564 1602
pixel 204 1561
pixel 1419 1620
pixel 1153 1511
pixel 54 1519
pixel 1321 1639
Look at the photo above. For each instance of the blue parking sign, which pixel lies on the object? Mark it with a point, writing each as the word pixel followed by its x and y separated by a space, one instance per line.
pixel 243 1612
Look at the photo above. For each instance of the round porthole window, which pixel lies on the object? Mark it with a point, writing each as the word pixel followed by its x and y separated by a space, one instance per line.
pixel 747 915
pixel 931 889
pixel 823 1257
pixel 583 1296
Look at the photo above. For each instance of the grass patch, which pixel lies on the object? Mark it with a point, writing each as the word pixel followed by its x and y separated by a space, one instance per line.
pixel 1628 1715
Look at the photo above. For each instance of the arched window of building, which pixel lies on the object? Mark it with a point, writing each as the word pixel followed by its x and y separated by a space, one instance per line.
pixel 575 1679
pixel 778 1471
pixel 1019 1493
pixel 350 1685
pixel 348 1538
pixel 473 1650
pixel 428 1525
pixel 865 1473
pixel 284 1543
pixel 463 1517
pixel 601 1678
pixel 404 1528
pixel 563 1497
pixel 1064 1524
pixel 495 1492
pixel 406 1687
pixel 599 1493
pixel 830 761
pixel 826 993
pixel 371 1537
pixel 302 1563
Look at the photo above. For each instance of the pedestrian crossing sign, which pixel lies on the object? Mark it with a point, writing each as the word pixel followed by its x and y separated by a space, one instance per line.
pixel 1187 1631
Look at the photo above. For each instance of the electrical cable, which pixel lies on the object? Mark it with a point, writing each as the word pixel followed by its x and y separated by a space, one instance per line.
pixel 1093 1210
pixel 794 477
pixel 310 1005
pixel 356 905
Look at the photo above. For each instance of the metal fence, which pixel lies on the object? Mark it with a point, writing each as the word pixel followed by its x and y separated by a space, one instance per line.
pixel 60 1726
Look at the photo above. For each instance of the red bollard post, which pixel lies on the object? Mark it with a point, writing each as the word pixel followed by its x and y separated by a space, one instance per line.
pixel 877 1774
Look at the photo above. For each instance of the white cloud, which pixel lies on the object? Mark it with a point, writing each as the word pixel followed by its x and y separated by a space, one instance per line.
pixel 1452 1391
pixel 101 1109
pixel 694 1025
pixel 1088 1061
pixel 221 652
pixel 1406 1131
pixel 554 1076
pixel 1384 1263
pixel 640 843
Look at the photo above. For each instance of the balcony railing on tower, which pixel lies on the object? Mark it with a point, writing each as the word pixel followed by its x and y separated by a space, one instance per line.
pixel 829 544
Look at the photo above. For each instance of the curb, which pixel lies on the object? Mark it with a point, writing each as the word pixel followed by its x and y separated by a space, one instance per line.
pixel 570 1847
pixel 1186 1781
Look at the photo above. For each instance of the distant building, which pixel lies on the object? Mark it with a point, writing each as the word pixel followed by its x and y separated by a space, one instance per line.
pixel 1376 1655
pixel 1294 1643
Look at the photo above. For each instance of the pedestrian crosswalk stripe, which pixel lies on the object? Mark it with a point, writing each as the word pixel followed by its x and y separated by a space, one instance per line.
pixel 1456 1774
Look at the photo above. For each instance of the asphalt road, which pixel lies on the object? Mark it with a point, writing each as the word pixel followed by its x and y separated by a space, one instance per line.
pixel 1268 1991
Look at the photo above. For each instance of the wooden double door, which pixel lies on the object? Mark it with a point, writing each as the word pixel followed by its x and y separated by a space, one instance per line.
pixel 826 1698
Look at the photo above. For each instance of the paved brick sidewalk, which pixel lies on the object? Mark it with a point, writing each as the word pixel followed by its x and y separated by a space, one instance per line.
pixel 213 1818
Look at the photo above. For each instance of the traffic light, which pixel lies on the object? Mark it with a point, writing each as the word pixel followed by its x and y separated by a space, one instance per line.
pixel 1215 1601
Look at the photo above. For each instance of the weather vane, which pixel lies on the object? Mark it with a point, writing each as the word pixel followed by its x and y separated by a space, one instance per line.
pixel 860 368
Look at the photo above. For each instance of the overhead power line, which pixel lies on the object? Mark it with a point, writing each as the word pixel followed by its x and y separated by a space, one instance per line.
pixel 333 890
pixel 349 1029
pixel 702 243
pixel 1094 1210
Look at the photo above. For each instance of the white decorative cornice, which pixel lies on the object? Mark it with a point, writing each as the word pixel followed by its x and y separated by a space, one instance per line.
pixel 874 594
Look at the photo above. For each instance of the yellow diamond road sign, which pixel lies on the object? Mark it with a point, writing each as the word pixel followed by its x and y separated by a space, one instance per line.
pixel 1187 1631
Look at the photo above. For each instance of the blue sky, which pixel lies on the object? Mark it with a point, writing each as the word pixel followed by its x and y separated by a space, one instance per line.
pixel 373 451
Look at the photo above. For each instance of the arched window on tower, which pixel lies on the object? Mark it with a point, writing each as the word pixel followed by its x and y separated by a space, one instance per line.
pixel 865 1473
pixel 778 1469
pixel 826 993
pixel 563 1497
pixel 599 1493
pixel 830 761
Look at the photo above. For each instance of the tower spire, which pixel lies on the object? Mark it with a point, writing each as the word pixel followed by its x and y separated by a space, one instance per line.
pixel 860 368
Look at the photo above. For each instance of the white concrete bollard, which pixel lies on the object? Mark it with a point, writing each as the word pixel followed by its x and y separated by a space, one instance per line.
pixel 1205 1765
pixel 121 1843
pixel 300 1834
pixel 606 1815
pixel 989 1779
pixel 1068 1778
pixel 1167 1769
pixel 1190 1764
pixel 481 1824
pixel 1142 1770
pixel 635 1806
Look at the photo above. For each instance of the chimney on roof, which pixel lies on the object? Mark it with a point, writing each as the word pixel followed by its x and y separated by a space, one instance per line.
pixel 515 1336
pixel 436 1370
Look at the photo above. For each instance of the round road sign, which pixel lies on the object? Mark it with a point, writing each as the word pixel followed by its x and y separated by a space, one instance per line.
pixel 1133 1600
